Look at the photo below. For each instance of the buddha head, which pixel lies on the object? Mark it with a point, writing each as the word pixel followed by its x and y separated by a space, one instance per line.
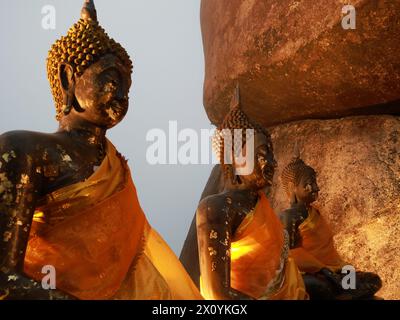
pixel 300 182
pixel 89 73
pixel 262 159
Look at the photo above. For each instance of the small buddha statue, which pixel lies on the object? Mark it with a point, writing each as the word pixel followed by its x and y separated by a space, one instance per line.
pixel 311 240
pixel 67 199
pixel 243 247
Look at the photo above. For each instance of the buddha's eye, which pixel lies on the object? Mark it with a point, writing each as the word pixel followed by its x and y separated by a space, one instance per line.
pixel 261 159
pixel 308 187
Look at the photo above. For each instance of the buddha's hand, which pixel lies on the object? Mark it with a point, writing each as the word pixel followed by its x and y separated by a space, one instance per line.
pixel 334 278
pixel 14 286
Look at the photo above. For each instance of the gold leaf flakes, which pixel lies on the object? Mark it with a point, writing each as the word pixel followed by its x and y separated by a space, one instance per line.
pixel 212 251
pixel 66 158
pixel 7 236
pixel 66 206
pixel 6 157
pixel 213 234
pixel 12 277
pixel 24 178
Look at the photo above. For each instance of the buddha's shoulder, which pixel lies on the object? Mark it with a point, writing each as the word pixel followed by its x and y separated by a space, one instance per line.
pixel 216 203
pixel 25 141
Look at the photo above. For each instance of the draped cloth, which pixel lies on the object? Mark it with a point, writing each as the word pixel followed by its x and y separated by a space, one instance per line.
pixel 98 239
pixel 317 248
pixel 260 265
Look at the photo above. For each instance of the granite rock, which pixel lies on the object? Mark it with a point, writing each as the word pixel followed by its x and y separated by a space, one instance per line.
pixel 294 60
pixel 357 160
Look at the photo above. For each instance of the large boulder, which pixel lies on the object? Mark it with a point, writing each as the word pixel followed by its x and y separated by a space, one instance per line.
pixel 358 164
pixel 295 61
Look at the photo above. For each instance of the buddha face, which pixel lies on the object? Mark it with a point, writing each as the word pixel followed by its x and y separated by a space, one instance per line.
pixel 307 190
pixel 100 94
pixel 264 164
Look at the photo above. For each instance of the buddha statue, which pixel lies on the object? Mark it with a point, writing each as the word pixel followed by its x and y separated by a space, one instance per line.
pixel 67 199
pixel 311 240
pixel 243 247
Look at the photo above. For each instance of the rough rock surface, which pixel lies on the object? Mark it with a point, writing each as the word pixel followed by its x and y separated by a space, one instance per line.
pixel 294 60
pixel 358 164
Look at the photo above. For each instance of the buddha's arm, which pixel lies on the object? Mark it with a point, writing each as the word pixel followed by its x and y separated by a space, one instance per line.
pixel 214 242
pixel 20 185
pixel 289 219
pixel 190 254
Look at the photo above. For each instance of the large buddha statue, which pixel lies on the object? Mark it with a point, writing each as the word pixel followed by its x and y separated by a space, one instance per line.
pixel 243 247
pixel 311 240
pixel 67 199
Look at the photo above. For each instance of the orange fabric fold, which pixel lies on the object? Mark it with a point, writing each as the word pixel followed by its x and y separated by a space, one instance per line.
pixel 293 287
pixel 97 237
pixel 306 261
pixel 259 257
pixel 90 232
pixel 317 249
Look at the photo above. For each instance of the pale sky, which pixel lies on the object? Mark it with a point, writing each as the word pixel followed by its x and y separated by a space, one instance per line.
pixel 164 40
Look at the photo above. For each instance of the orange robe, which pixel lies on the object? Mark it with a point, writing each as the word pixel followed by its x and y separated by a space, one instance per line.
pixel 317 248
pixel 260 266
pixel 97 237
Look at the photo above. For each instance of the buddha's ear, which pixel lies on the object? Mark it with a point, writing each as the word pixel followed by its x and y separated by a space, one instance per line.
pixel 67 85
pixel 66 76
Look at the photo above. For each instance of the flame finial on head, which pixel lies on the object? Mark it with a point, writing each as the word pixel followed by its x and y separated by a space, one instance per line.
pixel 225 139
pixel 89 11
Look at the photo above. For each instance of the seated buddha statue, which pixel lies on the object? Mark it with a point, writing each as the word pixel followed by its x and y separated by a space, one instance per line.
pixel 67 199
pixel 243 247
pixel 311 240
